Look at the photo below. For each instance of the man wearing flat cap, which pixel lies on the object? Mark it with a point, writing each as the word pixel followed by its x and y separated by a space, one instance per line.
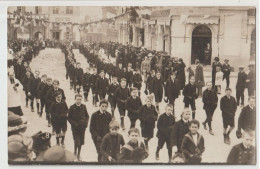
pixel 251 84
pixel 241 85
pixel 226 71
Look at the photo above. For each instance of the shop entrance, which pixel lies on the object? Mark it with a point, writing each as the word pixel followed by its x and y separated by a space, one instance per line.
pixel 201 45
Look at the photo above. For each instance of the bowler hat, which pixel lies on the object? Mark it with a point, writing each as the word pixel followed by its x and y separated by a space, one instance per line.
pixel 15 123
pixel 57 154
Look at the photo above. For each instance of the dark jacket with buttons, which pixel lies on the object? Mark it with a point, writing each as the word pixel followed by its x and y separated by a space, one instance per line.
pixel 172 89
pixel 178 131
pixel 78 116
pixel 99 124
pixel 59 111
pixel 108 146
pixel 241 81
pixel 228 106
pixel 247 118
pixel 121 96
pixel 210 99
pixel 101 85
pixel 240 155
pixel 189 93
pixel 164 125
pixel 133 106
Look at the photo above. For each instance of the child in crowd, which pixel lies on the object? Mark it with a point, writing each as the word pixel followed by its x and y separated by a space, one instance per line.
pixel 193 144
pixel 111 144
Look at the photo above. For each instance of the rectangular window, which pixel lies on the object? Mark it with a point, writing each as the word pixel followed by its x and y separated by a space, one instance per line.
pixel 55 10
pixel 38 10
pixel 69 10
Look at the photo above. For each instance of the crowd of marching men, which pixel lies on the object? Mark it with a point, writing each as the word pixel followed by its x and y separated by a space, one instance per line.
pixel 123 89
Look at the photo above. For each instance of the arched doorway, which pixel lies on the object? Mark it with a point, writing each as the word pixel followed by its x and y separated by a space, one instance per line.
pixel 38 35
pixel 253 46
pixel 201 45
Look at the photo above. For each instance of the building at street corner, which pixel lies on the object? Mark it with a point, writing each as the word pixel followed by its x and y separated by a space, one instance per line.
pixel 53 30
pixel 191 32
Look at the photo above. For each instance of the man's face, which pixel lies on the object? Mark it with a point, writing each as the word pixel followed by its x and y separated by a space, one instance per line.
pixel 113 131
pixel 37 74
pixel 192 80
pixel 158 75
pixel 169 110
pixel 194 128
pixel 173 76
pixel 78 66
pixel 43 78
pixel 133 137
pixel 56 85
pixel 114 80
pixel 102 74
pixel 209 86
pixel 247 140
pixel 123 84
pixel 252 102
pixel 78 100
pixel 103 107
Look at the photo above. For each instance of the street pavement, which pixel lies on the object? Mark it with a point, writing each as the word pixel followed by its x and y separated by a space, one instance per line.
pixel 52 63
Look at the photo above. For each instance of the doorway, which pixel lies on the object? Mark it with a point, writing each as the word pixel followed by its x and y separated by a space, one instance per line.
pixel 56 35
pixel 201 45
pixel 38 35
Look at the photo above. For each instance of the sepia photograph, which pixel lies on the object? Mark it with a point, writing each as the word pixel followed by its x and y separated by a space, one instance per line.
pixel 131 85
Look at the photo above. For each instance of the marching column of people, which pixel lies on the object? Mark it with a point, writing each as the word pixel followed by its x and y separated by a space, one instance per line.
pixel 181 137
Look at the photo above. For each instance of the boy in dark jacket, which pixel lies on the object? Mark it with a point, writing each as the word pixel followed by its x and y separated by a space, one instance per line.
pixel 40 94
pixel 78 118
pixel 25 83
pixel 244 153
pixel 210 100
pixel 226 71
pixel 193 144
pixel 111 94
pixel 32 88
pixel 86 84
pixel 50 98
pixel 179 130
pixel 121 95
pixel 128 154
pixel 157 90
pixel 111 144
pixel 129 75
pixel 164 124
pixel 99 125
pixel 78 75
pixel 247 117
pixel 190 94
pixel 149 81
pixel 251 80
pixel 172 90
pixel 148 117
pixel 133 105
pixel 59 111
pixel 228 107
pixel 120 73
pixel 241 85
pixel 46 89
pixel 93 80
pixel 102 85
pixel 137 81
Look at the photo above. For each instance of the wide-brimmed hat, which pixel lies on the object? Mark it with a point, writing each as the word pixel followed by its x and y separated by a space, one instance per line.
pixel 56 154
pixel 15 123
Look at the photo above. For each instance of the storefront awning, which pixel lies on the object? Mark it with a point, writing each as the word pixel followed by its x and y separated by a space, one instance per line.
pixel 202 20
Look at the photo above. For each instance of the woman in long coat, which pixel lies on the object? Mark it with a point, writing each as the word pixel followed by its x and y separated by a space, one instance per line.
pixel 199 77
pixel 180 75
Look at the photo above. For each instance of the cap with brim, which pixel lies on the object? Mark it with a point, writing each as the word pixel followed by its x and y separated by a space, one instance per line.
pixel 57 154
pixel 15 123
